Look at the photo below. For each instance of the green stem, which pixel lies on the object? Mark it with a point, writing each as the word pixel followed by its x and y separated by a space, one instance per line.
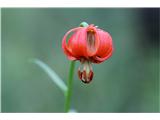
pixel 69 90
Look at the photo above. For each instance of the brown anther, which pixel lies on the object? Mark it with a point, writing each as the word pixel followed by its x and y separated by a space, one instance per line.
pixel 84 77
pixel 80 74
pixel 90 76
pixel 87 78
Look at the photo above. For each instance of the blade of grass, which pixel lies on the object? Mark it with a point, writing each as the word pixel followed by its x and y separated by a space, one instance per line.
pixel 54 77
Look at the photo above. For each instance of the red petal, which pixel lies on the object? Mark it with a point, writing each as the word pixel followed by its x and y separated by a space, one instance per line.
pixel 98 59
pixel 105 44
pixel 65 47
pixel 78 43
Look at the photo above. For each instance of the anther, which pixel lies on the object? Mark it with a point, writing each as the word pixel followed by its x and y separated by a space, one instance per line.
pixel 86 74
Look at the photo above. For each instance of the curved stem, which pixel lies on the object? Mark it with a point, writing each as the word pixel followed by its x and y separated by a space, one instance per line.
pixel 69 90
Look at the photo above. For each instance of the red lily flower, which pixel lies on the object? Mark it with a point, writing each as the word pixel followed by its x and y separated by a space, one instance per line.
pixel 88 45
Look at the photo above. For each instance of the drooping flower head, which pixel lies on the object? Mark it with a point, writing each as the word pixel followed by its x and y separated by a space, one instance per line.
pixel 89 45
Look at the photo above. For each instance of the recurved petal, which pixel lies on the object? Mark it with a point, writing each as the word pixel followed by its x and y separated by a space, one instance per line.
pixel 65 46
pixel 105 44
pixel 98 59
pixel 78 43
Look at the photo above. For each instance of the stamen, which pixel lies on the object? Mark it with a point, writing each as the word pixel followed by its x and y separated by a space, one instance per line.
pixel 86 74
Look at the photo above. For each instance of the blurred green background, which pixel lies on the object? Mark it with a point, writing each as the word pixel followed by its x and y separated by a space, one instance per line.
pixel 127 82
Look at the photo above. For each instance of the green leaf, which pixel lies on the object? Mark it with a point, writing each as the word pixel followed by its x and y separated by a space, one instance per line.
pixel 54 77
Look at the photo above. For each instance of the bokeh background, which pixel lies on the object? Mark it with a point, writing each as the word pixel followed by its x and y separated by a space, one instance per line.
pixel 127 82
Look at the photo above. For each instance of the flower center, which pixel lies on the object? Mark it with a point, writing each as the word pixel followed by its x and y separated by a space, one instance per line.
pixel 91 40
pixel 86 73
